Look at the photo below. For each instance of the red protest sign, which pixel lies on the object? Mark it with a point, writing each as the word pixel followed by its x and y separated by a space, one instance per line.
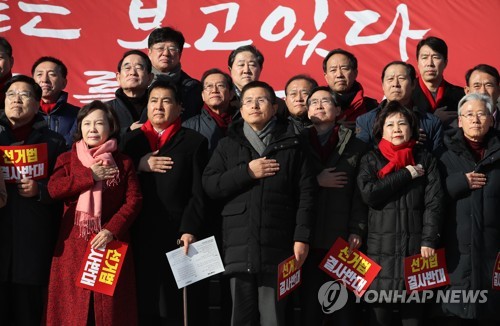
pixel 24 161
pixel 356 270
pixel 426 273
pixel 496 274
pixel 101 267
pixel 289 277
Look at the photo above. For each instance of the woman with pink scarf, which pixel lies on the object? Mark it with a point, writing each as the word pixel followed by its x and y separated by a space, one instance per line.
pixel 101 197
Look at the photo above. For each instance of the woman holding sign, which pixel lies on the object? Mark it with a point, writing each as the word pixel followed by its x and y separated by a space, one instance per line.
pixel 101 199
pixel 400 183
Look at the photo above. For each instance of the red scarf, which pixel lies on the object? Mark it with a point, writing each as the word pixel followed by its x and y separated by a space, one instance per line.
pixel 477 148
pixel 356 108
pixel 434 102
pixel 399 156
pixel 324 151
pixel 157 140
pixel 47 107
pixel 222 120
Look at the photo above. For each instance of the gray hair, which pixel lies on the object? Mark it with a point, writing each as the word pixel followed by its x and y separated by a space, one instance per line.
pixel 476 97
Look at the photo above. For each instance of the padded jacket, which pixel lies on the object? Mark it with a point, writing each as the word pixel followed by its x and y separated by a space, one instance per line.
pixel 261 217
pixel 472 232
pixel 404 214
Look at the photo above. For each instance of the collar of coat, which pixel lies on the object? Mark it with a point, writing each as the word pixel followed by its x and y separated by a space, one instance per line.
pixel 7 138
pixel 345 134
pixel 63 99
pixel 454 140
pixel 282 137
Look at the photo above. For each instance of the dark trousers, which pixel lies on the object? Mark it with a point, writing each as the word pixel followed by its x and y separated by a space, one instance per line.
pixel 226 305
pixel 313 279
pixel 411 314
pixel 21 304
pixel 455 321
pixel 170 310
pixel 255 300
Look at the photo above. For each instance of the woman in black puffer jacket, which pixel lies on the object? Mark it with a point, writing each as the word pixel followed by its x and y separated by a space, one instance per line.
pixel 400 183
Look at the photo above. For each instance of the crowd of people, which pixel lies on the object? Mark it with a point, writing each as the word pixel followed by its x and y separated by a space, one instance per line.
pixel 172 160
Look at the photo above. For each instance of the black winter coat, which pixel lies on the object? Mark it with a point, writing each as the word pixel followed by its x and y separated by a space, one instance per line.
pixel 173 204
pixel 447 110
pixel 404 214
pixel 338 206
pixel 174 199
pixel 125 111
pixel 472 228
pixel 261 218
pixel 29 226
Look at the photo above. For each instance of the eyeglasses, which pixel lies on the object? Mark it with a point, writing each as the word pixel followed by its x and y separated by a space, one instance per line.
pixel 471 116
pixel 25 95
pixel 260 101
pixel 211 87
pixel 323 101
pixel 162 48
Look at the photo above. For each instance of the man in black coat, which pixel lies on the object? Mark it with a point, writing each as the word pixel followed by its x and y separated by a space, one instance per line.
pixel 131 99
pixel 297 89
pixel 471 173
pixel 29 222
pixel 433 93
pixel 262 174
pixel 335 153
pixel 170 160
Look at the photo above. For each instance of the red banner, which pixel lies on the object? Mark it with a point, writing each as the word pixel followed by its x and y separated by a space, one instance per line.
pixel 356 270
pixel 25 161
pixel 294 36
pixel 101 267
pixel 426 273
pixel 496 274
pixel 289 277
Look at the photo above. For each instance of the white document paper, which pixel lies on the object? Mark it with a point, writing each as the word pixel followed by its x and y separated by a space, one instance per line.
pixel 203 260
